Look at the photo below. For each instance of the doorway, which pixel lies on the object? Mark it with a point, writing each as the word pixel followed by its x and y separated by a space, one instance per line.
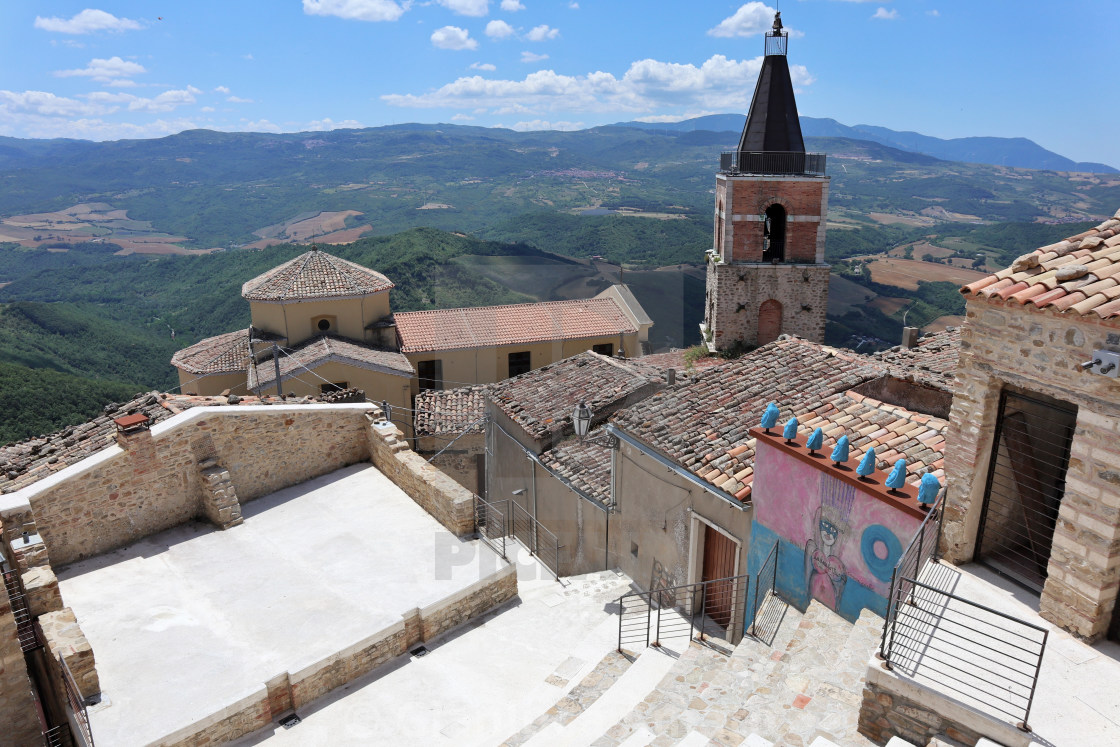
pixel 1026 481
pixel 720 554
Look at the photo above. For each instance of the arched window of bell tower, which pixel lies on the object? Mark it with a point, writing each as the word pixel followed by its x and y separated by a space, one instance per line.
pixel 774 234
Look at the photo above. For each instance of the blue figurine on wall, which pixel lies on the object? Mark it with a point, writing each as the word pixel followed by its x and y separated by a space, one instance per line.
pixel 790 431
pixel 770 416
pixel 896 480
pixel 815 441
pixel 867 464
pixel 928 490
pixel 840 453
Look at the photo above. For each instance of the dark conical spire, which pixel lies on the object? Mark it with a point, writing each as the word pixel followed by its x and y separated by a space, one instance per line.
pixel 772 124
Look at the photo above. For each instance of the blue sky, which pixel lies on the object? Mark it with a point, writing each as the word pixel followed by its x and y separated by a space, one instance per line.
pixel 107 69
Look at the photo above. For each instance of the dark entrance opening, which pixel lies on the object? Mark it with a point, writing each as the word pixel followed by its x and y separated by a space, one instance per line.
pixel 1026 481
pixel 774 234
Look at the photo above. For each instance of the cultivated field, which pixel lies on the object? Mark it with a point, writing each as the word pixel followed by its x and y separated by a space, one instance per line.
pixel 328 227
pixel 905 273
pixel 91 221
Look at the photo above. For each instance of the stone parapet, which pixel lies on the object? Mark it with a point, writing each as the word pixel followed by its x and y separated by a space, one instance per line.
pixel 41 589
pixel 64 638
pixel 219 496
pixel 18 714
pixel 449 503
pixel 894 706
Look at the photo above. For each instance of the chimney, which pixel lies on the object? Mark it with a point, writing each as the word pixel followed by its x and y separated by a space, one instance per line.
pixel 909 337
pixel 130 426
pixel 671 376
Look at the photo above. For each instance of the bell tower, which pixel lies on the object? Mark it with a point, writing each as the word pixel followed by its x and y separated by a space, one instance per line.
pixel 766 270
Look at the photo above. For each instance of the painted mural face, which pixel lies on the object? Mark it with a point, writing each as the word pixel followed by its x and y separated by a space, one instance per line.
pixel 825 574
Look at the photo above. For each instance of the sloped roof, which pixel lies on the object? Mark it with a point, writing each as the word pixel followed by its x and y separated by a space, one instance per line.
pixel 772 124
pixel 450 411
pixel 316 351
pixel 542 400
pixel 315 275
pixel 585 465
pixel 223 354
pixel 933 361
pixel 1080 275
pixel 512 324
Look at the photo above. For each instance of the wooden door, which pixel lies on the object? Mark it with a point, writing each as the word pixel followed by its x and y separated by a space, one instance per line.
pixel 719 563
pixel 769 321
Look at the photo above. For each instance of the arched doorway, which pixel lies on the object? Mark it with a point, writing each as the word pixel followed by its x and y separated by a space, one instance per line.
pixel 769 321
pixel 774 234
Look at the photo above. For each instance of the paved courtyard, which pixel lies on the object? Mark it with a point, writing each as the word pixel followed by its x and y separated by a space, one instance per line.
pixel 188 621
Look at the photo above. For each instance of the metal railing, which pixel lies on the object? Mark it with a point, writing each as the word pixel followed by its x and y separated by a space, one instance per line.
pixel 694 610
pixel 25 623
pixel 924 546
pixel 765 582
pixel 979 653
pixel 753 162
pixel 58 736
pixel 490 523
pixel 77 703
pixel 534 537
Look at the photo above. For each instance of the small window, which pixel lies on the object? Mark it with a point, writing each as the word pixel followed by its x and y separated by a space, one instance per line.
pixel 774 234
pixel 325 324
pixel 430 374
pixel 336 386
pixel 519 363
pixel 634 549
pixel 607 348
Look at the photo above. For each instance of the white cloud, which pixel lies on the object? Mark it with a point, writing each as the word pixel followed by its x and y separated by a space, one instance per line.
pixel 121 83
pixel 462 118
pixel 326 123
pixel 573 6
pixel 194 90
pixel 260 125
pixel 93 129
pixel 648 86
pixel 935 12
pixel 221 89
pixel 467 7
pixel 103 70
pixel 164 102
pixel 542 32
pixel 238 100
pixel 483 66
pixel 530 57
pixel 511 6
pixel 453 37
pixel 356 10
pixel 87 22
pixel 498 30
pixel 886 15
pixel 207 109
pixel 43 104
pixel 536 125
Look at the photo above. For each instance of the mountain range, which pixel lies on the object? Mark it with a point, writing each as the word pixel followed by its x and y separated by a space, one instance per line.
pixel 1016 152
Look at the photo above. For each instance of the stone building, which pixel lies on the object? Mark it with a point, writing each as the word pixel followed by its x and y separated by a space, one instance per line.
pixel 766 272
pixel 1034 440
pixel 323 324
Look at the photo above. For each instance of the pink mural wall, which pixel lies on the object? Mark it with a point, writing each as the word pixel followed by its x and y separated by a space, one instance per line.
pixel 840 538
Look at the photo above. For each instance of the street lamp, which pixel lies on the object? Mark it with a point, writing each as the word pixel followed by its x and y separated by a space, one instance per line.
pixel 581 421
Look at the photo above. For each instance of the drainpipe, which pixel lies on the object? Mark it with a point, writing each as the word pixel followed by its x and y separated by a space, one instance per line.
pixel 536 521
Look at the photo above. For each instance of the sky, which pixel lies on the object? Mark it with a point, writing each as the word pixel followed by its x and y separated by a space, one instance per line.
pixel 110 69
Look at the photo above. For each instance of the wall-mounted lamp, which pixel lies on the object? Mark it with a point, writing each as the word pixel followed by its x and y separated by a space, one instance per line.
pixel 581 421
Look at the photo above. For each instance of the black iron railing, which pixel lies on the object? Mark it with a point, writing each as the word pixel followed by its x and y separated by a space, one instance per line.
pixel 715 607
pixel 25 624
pixel 497 520
pixel 490 523
pixel 752 162
pixel 923 547
pixel 980 654
pixel 77 703
pixel 58 736
pixel 764 583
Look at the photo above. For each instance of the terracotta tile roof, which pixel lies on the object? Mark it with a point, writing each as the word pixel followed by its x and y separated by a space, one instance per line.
pixel 314 275
pixel 933 361
pixel 541 401
pixel 29 461
pixel 305 357
pixel 450 411
pixel 586 466
pixel 513 324
pixel 1080 275
pixel 675 359
pixel 228 353
pixel 703 424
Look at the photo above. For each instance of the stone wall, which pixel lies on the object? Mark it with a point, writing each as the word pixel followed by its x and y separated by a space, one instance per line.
pixel 1035 350
pixel 151 481
pixel 18 713
pixel 736 292
pixel 462 462
pixel 895 707
pixel 741 203
pixel 448 502
pixel 296 690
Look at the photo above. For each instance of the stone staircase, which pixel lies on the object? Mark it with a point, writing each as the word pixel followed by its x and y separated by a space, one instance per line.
pixel 803 690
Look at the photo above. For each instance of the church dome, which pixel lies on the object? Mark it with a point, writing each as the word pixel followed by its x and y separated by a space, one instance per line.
pixel 315 275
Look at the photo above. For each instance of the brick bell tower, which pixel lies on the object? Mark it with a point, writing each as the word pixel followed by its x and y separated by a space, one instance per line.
pixel 766 270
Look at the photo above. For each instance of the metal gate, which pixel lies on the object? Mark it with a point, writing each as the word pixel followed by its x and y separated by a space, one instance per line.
pixel 1026 481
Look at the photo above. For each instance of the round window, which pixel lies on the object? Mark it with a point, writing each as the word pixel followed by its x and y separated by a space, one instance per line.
pixel 324 325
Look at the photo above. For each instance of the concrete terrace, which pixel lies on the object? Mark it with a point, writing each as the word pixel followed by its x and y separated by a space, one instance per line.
pixel 188 621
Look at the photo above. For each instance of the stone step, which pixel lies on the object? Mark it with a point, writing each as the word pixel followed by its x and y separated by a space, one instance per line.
pixel 600 679
pixel 642 677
